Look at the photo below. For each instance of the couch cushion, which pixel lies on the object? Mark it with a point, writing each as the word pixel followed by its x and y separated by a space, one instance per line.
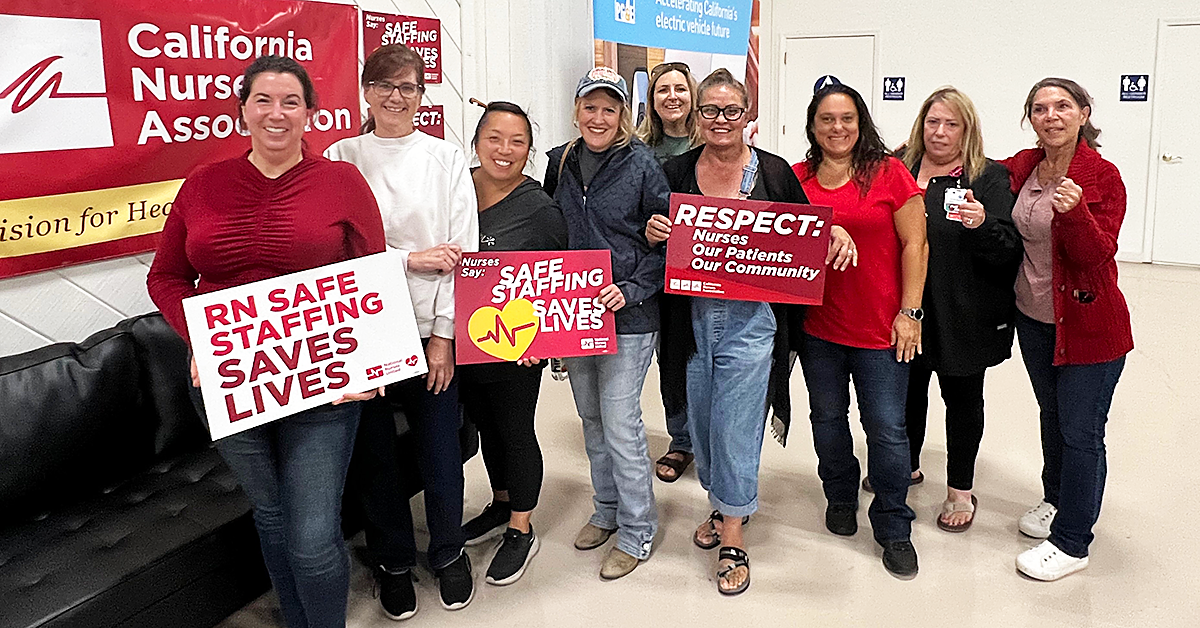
pixel 72 419
pixel 165 378
pixel 103 560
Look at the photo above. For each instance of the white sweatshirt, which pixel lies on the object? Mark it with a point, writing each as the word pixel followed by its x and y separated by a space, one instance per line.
pixel 426 196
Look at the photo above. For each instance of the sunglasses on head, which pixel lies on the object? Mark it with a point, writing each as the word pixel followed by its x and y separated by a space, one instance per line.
pixel 673 65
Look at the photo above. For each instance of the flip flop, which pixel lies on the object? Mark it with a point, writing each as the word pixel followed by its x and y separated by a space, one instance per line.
pixel 866 482
pixel 712 530
pixel 949 508
pixel 739 558
pixel 676 465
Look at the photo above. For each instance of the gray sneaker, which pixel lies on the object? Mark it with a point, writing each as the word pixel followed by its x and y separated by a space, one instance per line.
pixel 1036 522
pixel 513 555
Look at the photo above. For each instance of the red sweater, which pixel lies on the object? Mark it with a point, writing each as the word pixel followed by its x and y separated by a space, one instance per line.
pixel 230 225
pixel 1092 317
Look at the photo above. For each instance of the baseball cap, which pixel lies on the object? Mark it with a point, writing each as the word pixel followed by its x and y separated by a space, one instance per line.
pixel 825 81
pixel 602 77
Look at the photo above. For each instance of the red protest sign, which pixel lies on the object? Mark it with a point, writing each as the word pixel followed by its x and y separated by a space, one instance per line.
pixel 431 120
pixel 747 250
pixel 106 106
pixel 532 304
pixel 422 34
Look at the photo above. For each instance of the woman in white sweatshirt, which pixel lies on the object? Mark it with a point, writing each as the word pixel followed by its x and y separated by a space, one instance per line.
pixel 428 204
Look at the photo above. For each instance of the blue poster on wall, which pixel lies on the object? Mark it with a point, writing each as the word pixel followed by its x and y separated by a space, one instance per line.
pixel 714 26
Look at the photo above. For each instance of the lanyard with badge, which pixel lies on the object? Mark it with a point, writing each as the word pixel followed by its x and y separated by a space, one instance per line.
pixel 749 176
pixel 955 196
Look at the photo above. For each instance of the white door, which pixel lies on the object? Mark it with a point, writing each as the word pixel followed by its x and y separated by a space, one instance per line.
pixel 1177 189
pixel 850 58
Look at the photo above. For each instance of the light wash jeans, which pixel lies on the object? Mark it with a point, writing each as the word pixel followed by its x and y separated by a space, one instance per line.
pixel 608 392
pixel 727 398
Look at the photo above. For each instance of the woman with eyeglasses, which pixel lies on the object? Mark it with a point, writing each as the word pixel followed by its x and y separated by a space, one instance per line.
pixel 429 213
pixel 670 129
pixel 868 328
pixel 1072 320
pixel 733 350
pixel 608 184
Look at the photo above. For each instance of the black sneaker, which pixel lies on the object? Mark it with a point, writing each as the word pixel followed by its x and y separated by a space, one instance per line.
pixel 396 594
pixel 456 584
pixel 516 550
pixel 492 520
pixel 842 519
pixel 900 559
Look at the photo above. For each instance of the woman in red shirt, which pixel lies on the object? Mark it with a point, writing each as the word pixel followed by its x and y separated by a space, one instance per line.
pixel 1072 321
pixel 869 326
pixel 275 210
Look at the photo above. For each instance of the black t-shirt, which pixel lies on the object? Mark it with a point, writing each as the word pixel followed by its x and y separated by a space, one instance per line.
pixel 590 162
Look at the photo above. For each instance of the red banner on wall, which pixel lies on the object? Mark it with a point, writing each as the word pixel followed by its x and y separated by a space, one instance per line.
pixel 106 107
pixel 532 304
pixel 747 250
pixel 422 34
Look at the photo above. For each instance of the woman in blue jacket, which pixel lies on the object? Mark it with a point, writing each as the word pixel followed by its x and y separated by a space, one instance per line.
pixel 608 185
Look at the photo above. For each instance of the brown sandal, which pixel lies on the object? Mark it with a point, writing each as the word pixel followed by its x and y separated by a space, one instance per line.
pixel 949 508
pixel 678 466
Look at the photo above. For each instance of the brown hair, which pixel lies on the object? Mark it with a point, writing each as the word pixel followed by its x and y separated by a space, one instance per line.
pixel 386 62
pixel 1082 99
pixel 720 77
pixel 972 139
pixel 650 130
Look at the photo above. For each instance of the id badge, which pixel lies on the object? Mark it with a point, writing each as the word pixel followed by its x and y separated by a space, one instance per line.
pixel 954 197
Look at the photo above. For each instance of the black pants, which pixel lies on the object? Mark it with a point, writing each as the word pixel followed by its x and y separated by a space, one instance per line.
pixel 503 411
pixel 964 421
pixel 434 422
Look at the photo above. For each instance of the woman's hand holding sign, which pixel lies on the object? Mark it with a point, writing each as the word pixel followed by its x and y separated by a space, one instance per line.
pixel 658 229
pixel 440 259
pixel 842 251
pixel 612 298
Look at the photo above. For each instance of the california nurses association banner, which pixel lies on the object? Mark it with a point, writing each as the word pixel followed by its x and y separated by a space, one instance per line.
pixel 532 304
pixel 106 106
pixel 747 250
pixel 272 348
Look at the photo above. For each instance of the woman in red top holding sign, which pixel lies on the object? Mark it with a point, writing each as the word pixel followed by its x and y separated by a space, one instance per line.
pixel 276 210
pixel 869 326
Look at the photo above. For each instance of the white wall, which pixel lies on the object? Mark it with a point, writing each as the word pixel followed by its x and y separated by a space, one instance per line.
pixel 994 51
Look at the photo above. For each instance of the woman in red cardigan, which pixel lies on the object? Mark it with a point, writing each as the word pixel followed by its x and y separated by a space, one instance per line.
pixel 1072 321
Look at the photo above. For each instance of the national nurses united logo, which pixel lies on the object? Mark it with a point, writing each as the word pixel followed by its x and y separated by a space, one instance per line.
pixel 52 88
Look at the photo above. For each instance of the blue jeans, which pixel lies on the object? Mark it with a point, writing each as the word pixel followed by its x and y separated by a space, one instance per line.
pixel 293 470
pixel 1074 402
pixel 881 386
pixel 608 392
pixel 727 398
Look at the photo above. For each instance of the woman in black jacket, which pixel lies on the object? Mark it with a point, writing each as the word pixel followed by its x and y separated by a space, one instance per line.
pixel 608 184
pixel 514 215
pixel 969 301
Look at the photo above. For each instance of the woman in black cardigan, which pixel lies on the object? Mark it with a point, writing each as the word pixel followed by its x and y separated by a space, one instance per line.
pixel 969 301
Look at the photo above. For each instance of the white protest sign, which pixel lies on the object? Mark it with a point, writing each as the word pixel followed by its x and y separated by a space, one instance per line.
pixel 272 348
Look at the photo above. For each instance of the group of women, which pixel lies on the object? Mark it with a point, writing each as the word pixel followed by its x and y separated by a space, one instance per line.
pixel 936 256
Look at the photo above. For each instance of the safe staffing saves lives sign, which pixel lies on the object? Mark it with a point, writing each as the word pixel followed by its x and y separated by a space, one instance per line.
pixel 106 106
pixel 747 250
pixel 272 348
pixel 532 304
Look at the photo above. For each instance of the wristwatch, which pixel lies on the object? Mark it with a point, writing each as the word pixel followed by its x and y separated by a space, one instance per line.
pixel 914 313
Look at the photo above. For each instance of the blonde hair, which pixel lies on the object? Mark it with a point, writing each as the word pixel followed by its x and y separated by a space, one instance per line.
pixel 625 132
pixel 650 130
pixel 972 137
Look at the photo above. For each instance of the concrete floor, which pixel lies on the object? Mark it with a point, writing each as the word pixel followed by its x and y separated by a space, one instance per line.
pixel 1144 561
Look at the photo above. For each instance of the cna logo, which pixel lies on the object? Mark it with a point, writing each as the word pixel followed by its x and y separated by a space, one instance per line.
pixel 624 11
pixel 52 89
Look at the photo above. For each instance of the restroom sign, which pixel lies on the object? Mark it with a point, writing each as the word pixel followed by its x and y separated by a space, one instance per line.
pixel 1135 87
pixel 893 88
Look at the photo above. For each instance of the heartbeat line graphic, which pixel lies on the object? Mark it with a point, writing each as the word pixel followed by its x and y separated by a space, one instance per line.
pixel 501 328
pixel 29 79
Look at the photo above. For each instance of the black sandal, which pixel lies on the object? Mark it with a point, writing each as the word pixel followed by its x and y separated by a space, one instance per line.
pixel 678 466
pixel 712 530
pixel 739 558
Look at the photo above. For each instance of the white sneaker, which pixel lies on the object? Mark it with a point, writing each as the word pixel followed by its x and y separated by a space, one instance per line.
pixel 1048 563
pixel 1036 522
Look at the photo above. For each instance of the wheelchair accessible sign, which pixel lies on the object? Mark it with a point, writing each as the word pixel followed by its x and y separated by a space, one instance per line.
pixel 714 26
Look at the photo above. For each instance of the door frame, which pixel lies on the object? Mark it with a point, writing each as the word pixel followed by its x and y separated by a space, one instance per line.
pixel 779 71
pixel 1156 122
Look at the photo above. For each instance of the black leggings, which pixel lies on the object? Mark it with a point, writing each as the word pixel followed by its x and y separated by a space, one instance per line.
pixel 503 411
pixel 964 421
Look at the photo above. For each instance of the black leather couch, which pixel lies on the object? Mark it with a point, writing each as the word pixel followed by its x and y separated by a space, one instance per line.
pixel 115 509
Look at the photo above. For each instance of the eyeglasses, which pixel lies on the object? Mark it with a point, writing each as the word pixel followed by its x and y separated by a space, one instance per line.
pixel 678 66
pixel 731 112
pixel 384 89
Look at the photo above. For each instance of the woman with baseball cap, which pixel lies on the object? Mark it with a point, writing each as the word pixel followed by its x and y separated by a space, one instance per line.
pixel 608 185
